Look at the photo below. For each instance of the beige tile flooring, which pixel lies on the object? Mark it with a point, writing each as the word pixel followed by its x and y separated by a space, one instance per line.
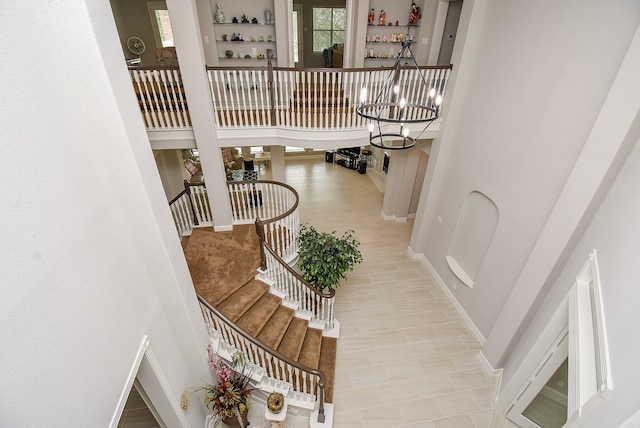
pixel 405 357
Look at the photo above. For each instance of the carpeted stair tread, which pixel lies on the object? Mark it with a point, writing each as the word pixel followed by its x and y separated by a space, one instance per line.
pixel 273 332
pixel 293 339
pixel 235 306
pixel 222 262
pixel 255 318
pixel 328 364
pixel 310 352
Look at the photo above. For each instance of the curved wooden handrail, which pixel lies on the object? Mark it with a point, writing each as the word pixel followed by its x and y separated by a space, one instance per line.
pixel 155 67
pixel 315 69
pixel 320 293
pixel 322 378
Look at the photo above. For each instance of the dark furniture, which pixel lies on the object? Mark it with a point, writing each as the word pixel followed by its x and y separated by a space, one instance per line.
pixel 348 157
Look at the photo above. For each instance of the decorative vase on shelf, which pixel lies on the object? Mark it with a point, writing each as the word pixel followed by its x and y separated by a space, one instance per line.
pixel 267 16
pixel 219 15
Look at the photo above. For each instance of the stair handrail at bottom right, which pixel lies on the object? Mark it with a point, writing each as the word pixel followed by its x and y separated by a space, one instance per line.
pixel 237 337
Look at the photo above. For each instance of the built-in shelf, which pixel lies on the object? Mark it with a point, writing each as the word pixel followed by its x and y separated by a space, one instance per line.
pixel 245 59
pixel 392 25
pixel 257 38
pixel 459 271
pixel 245 41
pixel 245 24
pixel 386 43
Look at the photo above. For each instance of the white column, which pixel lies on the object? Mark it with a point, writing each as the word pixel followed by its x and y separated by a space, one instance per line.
pixel 277 163
pixel 403 167
pixel 282 13
pixel 186 32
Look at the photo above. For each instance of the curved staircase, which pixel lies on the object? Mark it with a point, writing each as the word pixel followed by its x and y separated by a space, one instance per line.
pixel 223 267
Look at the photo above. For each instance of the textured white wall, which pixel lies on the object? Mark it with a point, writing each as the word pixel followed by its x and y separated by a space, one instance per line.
pixel 530 79
pixel 90 259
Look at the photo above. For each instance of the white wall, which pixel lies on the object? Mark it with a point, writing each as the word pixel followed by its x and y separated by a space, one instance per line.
pixel 530 79
pixel 615 234
pixel 90 259
pixel 172 172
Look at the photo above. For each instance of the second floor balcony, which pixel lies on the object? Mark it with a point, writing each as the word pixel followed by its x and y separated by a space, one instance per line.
pixel 273 104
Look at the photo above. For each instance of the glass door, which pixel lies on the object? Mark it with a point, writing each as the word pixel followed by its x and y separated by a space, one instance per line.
pixel 543 403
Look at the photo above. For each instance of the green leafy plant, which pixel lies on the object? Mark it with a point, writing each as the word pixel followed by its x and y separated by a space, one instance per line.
pixel 324 258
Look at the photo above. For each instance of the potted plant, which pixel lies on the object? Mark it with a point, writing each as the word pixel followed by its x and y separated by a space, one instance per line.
pixel 324 257
pixel 229 399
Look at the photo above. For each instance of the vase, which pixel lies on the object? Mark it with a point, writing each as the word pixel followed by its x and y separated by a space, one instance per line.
pixel 233 422
pixel 267 16
pixel 219 15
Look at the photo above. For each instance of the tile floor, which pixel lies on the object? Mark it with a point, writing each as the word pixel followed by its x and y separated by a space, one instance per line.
pixel 405 357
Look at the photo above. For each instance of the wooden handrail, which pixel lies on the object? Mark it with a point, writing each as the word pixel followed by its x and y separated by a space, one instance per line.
pixel 328 295
pixel 322 377
pixel 318 69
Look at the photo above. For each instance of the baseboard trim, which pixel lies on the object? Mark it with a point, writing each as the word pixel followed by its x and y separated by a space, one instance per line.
pixel 467 319
pixel 393 218
pixel 223 228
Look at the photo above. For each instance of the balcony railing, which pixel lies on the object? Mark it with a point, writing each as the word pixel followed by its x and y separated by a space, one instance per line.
pixel 288 98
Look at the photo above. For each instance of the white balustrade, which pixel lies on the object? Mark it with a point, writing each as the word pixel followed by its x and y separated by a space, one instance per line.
pixel 161 98
pixel 272 372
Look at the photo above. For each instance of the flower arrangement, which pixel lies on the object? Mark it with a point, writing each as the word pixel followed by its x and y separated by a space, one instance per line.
pixel 230 397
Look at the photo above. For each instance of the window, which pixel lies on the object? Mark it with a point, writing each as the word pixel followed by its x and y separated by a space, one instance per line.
pixel 573 374
pixel 161 24
pixel 329 25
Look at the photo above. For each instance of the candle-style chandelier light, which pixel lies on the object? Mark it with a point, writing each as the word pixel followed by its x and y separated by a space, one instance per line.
pixel 405 97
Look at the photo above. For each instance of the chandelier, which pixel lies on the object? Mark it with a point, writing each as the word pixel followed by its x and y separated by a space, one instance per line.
pixel 404 97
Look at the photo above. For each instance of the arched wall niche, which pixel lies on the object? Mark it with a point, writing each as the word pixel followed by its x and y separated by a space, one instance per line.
pixel 473 234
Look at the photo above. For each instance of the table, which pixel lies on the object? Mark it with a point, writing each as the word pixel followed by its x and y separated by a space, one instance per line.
pixel 262 158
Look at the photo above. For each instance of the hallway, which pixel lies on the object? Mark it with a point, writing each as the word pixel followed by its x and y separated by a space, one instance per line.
pixel 405 357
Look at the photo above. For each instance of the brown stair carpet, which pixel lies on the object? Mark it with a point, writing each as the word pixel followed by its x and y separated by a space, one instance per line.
pixel 222 262
pixel 310 352
pixel 327 364
pixel 277 326
pixel 291 343
pixel 256 318
pixel 223 268
pixel 235 306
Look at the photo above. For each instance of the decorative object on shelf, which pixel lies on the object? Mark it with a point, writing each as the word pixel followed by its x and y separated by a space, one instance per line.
pixel 254 20
pixel 261 39
pixel 384 38
pixel 219 15
pixel 270 53
pixel 230 398
pixel 237 37
pixel 396 22
pixel 415 14
pixel 372 16
pixel 275 402
pixel 224 38
pixel 234 20
pixel 267 16
pixel 228 53
pixel 269 38
pixel 390 106
pixel 244 19
pixel 253 39
pixel 324 257
pixel 383 17
pixel 247 56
